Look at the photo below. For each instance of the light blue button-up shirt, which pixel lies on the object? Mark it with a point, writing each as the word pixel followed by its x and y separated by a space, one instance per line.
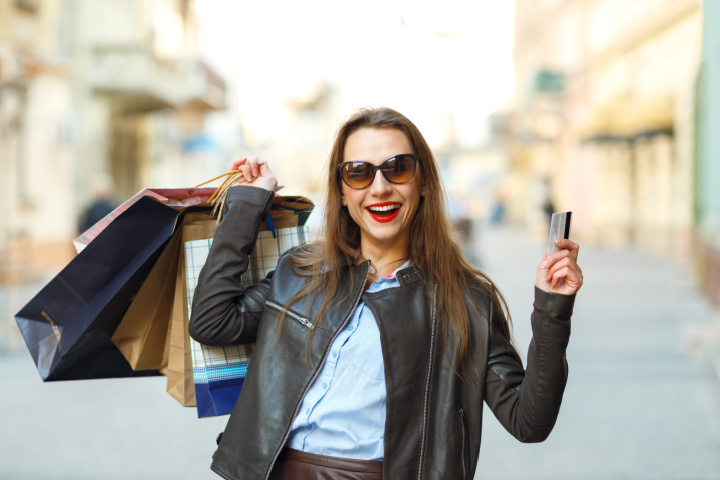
pixel 343 411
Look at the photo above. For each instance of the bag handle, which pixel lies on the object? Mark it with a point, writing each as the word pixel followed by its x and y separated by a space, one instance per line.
pixel 217 199
pixel 298 205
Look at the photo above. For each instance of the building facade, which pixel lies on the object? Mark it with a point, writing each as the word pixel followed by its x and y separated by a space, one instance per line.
pixel 707 172
pixel 604 118
pixel 92 90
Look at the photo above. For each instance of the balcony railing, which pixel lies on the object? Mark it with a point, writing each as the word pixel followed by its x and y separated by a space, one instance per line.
pixel 147 82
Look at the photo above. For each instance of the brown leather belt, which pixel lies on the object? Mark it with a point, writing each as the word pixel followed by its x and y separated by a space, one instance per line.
pixel 294 464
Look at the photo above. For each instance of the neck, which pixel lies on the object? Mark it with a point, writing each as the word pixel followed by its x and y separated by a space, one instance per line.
pixel 383 261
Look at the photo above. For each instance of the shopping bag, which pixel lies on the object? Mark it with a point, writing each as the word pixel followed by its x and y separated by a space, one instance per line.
pixel 179 365
pixel 141 335
pixel 179 370
pixel 219 372
pixel 68 325
pixel 178 198
pixel 193 231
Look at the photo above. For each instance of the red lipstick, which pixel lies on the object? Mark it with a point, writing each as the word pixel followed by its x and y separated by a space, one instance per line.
pixel 384 218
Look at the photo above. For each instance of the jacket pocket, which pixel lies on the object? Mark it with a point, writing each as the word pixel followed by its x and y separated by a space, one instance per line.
pixel 290 314
pixel 463 443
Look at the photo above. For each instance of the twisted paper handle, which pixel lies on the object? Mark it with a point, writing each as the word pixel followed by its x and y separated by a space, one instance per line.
pixel 218 198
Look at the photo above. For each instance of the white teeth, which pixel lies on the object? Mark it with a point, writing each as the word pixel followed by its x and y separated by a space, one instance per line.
pixel 384 208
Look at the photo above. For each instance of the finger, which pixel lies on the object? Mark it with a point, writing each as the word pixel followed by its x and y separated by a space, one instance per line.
pixel 544 262
pixel 236 164
pixel 569 263
pixel 563 263
pixel 554 258
pixel 572 276
pixel 254 163
pixel 263 168
pixel 568 245
pixel 569 281
pixel 559 275
pixel 246 169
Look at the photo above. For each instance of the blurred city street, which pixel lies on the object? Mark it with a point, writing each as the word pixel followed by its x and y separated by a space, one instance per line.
pixel 637 404
pixel 606 108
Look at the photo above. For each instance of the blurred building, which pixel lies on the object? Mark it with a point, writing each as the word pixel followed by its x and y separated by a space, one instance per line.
pixel 605 118
pixel 707 171
pixel 92 89
pixel 300 151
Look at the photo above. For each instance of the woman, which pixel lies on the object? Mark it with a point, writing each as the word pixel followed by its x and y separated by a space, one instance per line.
pixel 376 346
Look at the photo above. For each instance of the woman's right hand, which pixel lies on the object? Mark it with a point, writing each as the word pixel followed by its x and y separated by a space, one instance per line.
pixel 255 173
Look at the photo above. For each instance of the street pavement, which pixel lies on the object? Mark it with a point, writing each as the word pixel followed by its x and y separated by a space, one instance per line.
pixel 637 404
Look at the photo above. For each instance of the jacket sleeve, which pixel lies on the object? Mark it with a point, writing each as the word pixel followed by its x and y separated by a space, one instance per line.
pixel 223 313
pixel 527 401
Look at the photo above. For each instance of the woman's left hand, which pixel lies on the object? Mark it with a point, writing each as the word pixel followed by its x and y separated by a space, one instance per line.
pixel 559 272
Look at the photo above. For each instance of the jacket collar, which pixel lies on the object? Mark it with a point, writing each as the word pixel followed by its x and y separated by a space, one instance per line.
pixel 405 276
pixel 408 275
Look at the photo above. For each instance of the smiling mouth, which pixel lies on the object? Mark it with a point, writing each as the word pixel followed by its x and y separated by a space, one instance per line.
pixel 384 213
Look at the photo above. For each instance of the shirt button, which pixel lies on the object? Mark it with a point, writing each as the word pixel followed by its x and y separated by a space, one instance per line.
pixel 351 328
pixel 324 385
pixel 307 411
pixel 334 354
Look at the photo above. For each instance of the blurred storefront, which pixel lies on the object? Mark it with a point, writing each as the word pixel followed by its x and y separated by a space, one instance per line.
pixel 93 89
pixel 617 111
pixel 104 95
pixel 604 120
pixel 707 170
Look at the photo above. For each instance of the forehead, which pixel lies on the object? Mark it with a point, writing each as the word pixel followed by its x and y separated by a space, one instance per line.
pixel 376 144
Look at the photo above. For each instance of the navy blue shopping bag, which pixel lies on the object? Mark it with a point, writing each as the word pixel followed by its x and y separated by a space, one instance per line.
pixel 69 324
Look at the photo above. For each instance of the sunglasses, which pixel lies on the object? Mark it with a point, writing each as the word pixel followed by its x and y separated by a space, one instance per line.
pixel 398 169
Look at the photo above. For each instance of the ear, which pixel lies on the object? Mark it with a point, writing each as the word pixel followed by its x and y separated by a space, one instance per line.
pixel 344 200
pixel 423 190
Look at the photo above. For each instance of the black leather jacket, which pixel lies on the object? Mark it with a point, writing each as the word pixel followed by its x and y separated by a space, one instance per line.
pixel 433 419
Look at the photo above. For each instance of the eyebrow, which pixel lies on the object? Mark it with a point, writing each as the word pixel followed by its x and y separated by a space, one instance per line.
pixel 368 161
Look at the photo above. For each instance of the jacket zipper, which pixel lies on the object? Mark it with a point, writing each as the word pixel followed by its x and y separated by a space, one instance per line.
pixel 315 374
pixel 427 385
pixel 303 320
pixel 461 419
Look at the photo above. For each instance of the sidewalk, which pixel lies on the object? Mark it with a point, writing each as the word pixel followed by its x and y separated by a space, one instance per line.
pixel 12 299
pixel 637 404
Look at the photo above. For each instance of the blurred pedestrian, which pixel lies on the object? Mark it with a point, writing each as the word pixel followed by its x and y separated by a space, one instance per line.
pixel 548 207
pixel 497 209
pixel 101 204
pixel 377 344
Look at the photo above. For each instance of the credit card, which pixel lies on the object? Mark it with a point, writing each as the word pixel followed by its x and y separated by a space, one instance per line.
pixel 559 228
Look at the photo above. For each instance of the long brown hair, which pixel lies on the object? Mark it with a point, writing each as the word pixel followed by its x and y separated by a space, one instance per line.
pixel 436 256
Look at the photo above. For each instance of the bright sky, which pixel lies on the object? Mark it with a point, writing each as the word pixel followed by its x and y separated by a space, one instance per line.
pixel 426 59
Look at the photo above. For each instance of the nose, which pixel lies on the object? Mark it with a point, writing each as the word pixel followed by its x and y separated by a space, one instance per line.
pixel 379 185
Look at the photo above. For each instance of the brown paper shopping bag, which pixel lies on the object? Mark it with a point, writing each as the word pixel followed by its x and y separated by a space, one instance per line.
pixel 141 335
pixel 179 370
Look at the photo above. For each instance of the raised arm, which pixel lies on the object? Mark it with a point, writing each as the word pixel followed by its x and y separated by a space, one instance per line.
pixel 527 401
pixel 223 312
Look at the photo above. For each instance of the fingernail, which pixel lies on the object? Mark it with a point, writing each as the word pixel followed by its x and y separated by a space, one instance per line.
pixel 544 264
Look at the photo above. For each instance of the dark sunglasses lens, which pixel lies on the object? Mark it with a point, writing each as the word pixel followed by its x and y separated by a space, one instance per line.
pixel 357 174
pixel 399 169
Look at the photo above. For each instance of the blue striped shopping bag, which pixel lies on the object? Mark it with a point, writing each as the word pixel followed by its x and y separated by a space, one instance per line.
pixel 219 372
